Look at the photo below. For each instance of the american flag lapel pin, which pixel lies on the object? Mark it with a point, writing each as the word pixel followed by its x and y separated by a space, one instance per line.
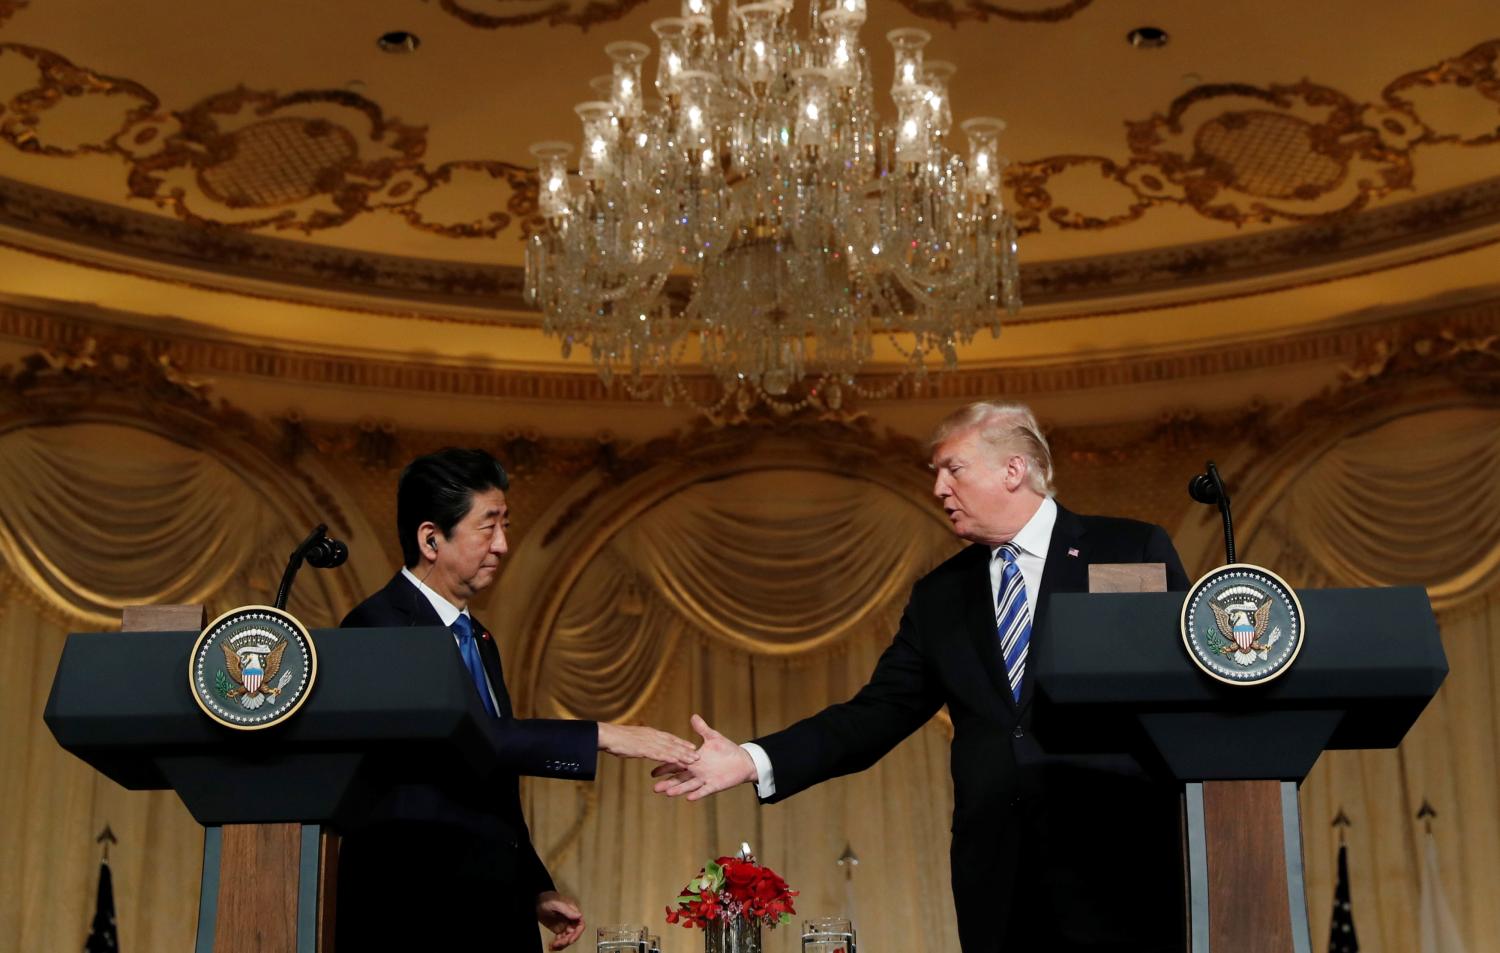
pixel 1072 551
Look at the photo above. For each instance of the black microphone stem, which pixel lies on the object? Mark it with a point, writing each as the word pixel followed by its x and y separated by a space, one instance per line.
pixel 1213 473
pixel 294 563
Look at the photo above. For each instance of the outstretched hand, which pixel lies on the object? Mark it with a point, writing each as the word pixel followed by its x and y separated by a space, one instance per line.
pixel 560 915
pixel 639 741
pixel 721 764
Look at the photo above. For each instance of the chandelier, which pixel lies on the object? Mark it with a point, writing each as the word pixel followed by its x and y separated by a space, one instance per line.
pixel 761 210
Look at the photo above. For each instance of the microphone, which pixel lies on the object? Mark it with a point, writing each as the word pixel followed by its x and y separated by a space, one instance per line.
pixel 320 551
pixel 327 553
pixel 1209 488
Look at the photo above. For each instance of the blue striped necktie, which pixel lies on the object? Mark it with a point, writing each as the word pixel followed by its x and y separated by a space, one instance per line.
pixel 469 650
pixel 1013 619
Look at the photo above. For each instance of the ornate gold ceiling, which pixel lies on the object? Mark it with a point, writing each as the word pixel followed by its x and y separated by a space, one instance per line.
pixel 270 152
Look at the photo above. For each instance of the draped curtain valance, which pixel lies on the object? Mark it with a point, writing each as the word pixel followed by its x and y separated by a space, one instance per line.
pixel 1413 502
pixel 98 516
pixel 772 562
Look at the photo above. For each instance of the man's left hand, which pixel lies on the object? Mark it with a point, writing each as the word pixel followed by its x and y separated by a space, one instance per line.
pixel 560 915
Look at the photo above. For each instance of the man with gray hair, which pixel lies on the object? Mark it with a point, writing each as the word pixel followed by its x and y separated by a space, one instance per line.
pixel 1054 853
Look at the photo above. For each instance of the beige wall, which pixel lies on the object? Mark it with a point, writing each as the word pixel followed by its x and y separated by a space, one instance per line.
pixel 1127 435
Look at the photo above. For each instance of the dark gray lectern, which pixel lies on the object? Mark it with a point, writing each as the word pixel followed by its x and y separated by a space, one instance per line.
pixel 389 706
pixel 1113 675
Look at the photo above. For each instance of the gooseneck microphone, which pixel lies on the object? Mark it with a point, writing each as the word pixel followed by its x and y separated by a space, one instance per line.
pixel 1209 488
pixel 320 552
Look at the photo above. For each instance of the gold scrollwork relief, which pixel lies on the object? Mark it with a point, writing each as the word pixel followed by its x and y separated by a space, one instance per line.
pixel 579 13
pixel 9 8
pixel 247 159
pixel 1244 154
pixel 60 84
pixel 980 11
pixel 315 159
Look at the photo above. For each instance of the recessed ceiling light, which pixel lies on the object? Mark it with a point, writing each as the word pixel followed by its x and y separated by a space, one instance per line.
pixel 1147 37
pixel 399 41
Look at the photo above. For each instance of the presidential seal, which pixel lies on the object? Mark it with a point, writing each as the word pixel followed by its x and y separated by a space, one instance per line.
pixel 1242 624
pixel 252 667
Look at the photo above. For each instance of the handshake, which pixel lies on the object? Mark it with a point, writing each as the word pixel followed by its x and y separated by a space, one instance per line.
pixel 713 766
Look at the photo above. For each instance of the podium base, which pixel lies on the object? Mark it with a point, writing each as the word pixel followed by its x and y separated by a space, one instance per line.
pixel 1245 877
pixel 267 888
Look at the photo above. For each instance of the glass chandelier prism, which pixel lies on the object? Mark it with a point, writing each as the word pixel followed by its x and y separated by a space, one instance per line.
pixel 761 211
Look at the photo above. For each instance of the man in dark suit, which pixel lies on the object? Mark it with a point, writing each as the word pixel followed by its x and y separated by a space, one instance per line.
pixel 431 867
pixel 1049 852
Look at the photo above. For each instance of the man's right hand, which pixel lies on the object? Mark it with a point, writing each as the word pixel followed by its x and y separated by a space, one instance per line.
pixel 639 741
pixel 721 764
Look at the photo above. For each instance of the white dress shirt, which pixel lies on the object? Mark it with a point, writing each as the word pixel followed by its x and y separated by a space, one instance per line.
pixel 1032 542
pixel 449 613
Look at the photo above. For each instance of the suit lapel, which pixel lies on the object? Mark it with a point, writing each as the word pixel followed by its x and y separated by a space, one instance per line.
pixel 1065 570
pixel 489 653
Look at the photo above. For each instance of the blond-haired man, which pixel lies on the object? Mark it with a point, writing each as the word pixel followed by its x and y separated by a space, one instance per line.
pixel 1049 853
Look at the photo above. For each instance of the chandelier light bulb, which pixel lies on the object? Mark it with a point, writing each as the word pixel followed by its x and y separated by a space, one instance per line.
pixel 626 93
pixel 936 75
pixel 855 10
pixel 596 163
pixel 673 49
pixel 552 169
pixel 813 106
pixel 908 43
pixel 985 162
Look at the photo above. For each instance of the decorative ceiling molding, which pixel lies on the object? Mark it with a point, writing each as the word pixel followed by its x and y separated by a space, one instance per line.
pixel 586 13
pixel 313 160
pixel 246 160
pixel 580 13
pixel 101 235
pixel 207 358
pixel 954 12
pixel 1243 154
pixel 9 8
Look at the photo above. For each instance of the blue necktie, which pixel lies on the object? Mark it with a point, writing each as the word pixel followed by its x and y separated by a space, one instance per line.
pixel 468 649
pixel 1013 619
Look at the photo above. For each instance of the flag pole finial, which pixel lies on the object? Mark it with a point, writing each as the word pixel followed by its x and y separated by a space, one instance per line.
pixel 1341 823
pixel 106 837
pixel 1427 813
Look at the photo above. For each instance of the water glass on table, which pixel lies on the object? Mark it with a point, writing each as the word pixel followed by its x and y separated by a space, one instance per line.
pixel 622 938
pixel 828 935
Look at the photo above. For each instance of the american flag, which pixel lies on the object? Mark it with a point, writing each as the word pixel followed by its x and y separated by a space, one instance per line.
pixel 1341 935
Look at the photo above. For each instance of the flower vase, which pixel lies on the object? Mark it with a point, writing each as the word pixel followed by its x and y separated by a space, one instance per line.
pixel 736 935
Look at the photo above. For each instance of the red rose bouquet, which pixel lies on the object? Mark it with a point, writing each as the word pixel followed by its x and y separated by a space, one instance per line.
pixel 733 888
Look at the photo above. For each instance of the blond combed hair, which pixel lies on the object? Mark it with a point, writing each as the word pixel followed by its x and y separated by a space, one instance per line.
pixel 1008 429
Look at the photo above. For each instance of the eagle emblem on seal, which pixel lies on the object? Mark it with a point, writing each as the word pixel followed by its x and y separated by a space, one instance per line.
pixel 252 669
pixel 1242 614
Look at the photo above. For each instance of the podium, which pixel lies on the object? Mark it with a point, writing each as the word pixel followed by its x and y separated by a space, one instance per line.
pixel 1113 676
pixel 389 706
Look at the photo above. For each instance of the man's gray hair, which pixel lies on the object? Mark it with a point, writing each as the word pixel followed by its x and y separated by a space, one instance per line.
pixel 1008 428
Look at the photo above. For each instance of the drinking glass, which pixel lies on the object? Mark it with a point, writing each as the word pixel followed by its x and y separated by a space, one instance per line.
pixel 828 935
pixel 622 938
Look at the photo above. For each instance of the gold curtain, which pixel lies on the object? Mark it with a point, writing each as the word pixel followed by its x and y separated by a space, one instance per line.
pixel 94 517
pixel 753 600
pixel 1415 501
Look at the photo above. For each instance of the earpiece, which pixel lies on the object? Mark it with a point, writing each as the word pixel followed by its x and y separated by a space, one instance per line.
pixel 432 543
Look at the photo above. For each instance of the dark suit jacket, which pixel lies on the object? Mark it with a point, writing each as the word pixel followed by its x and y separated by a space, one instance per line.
pixel 432 861
pixel 1048 852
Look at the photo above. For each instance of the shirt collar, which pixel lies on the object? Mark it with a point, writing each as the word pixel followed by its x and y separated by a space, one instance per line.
pixel 1035 537
pixel 446 610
